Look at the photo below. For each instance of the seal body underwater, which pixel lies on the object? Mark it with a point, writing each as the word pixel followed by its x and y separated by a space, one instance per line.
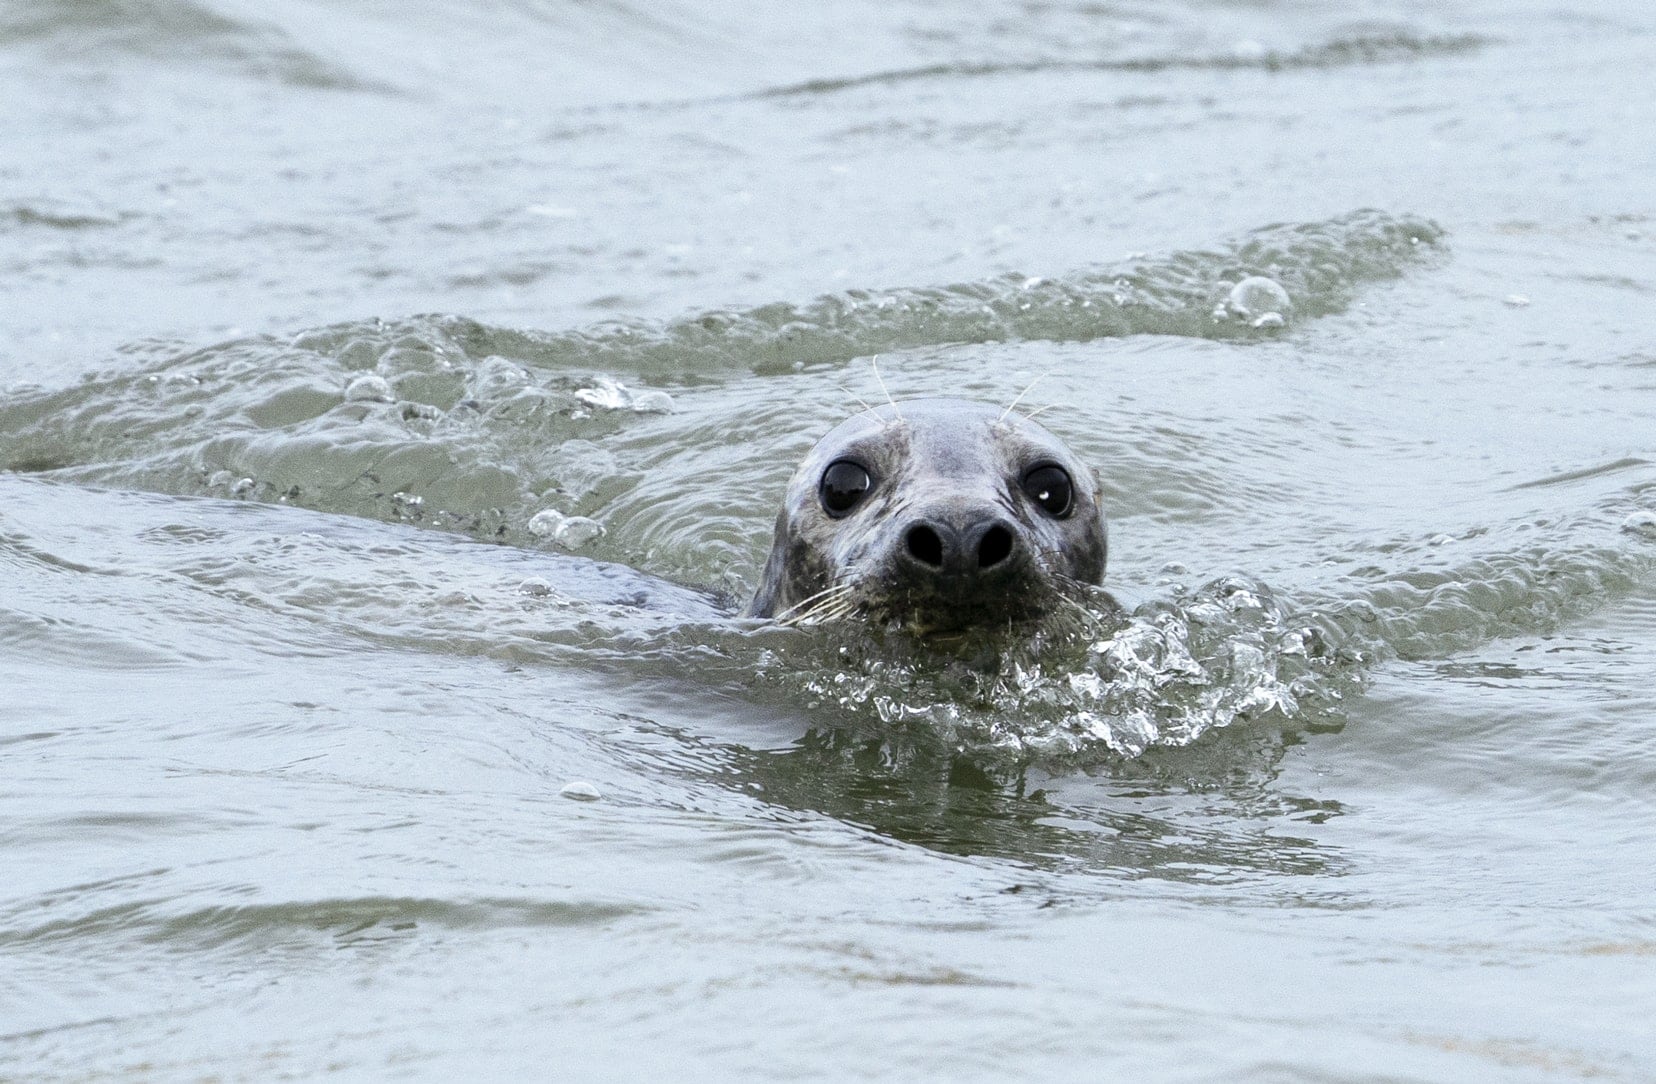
pixel 940 515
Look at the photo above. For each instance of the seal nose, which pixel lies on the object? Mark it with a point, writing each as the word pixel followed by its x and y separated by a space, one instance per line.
pixel 947 551
pixel 925 545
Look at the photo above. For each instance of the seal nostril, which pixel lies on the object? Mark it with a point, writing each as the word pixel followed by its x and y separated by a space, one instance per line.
pixel 995 547
pixel 925 546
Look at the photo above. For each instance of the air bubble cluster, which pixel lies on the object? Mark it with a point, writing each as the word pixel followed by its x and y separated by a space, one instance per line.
pixel 569 532
pixel 1163 676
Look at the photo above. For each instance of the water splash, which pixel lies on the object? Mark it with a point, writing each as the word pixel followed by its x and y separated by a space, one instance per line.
pixel 1233 653
pixel 1107 687
pixel 608 394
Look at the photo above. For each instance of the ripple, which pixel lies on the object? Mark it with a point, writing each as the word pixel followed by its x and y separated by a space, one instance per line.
pixel 453 424
pixel 177 31
pixel 1388 48
pixel 346 920
pixel 55 214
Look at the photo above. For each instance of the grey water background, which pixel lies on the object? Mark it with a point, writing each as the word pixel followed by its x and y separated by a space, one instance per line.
pixel 329 332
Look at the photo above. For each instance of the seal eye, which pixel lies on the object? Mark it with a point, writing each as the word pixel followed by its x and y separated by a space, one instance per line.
pixel 844 485
pixel 1049 486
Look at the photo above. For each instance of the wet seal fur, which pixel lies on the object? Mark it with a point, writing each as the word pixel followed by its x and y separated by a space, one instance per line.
pixel 949 533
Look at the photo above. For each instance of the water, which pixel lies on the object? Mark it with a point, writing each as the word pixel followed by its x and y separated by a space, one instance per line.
pixel 395 406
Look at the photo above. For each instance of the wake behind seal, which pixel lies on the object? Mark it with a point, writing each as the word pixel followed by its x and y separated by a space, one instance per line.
pixel 940 515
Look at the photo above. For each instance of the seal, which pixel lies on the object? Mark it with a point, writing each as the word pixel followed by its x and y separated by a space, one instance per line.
pixel 939 515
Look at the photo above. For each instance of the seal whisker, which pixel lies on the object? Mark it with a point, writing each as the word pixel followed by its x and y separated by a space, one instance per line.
pixel 874 363
pixel 1091 622
pixel 808 601
pixel 832 609
pixel 814 598
pixel 860 400
pixel 808 607
pixel 1027 389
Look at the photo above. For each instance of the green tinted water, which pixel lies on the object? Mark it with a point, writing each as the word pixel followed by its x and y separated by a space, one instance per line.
pixel 309 625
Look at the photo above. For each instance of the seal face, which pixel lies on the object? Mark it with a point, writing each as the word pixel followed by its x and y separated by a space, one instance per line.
pixel 938 514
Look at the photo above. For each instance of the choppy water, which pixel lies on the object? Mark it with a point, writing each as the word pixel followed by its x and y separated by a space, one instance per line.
pixel 395 405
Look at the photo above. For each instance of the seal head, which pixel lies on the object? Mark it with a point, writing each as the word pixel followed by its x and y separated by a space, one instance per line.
pixel 938 514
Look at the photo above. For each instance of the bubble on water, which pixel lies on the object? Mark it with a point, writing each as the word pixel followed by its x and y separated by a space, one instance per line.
pixel 1641 524
pixel 1516 301
pixel 369 387
pixel 576 531
pixel 652 402
pixel 1257 301
pixel 581 791
pixel 535 587
pixel 569 532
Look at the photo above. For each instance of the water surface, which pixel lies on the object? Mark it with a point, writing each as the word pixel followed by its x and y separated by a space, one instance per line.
pixel 333 336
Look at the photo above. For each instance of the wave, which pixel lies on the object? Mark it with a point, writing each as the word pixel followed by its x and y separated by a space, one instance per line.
pixel 521 436
pixel 1095 685
pixel 1388 48
pixel 450 422
pixel 178 32
pixel 344 920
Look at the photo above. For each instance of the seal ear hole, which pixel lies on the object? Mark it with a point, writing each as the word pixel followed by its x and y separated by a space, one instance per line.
pixel 1049 486
pixel 844 485
pixel 924 546
pixel 995 547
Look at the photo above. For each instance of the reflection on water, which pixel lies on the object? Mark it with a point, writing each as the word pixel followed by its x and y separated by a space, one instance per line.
pixel 915 789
